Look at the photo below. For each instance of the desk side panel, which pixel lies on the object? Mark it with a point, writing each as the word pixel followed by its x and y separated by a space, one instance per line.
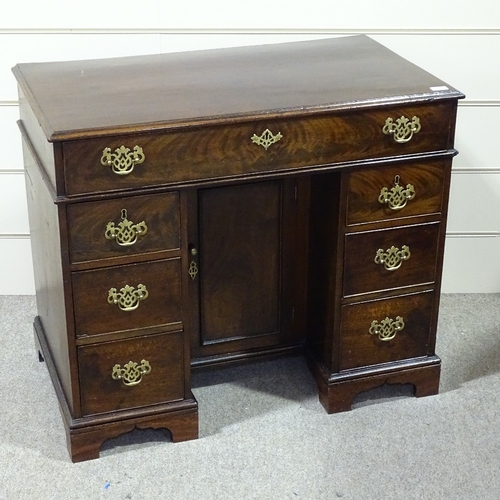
pixel 38 141
pixel 47 263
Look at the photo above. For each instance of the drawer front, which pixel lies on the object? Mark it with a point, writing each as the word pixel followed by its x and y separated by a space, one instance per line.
pixel 114 163
pixel 126 298
pixel 394 192
pixel 124 226
pixel 131 373
pixel 367 329
pixel 390 258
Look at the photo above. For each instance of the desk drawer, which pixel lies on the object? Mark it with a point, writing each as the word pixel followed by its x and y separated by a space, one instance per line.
pixel 420 185
pixel 131 373
pixel 125 298
pixel 367 329
pixel 390 258
pixel 213 152
pixel 124 226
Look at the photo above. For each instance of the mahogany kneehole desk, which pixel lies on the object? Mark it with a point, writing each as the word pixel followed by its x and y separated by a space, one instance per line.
pixel 199 208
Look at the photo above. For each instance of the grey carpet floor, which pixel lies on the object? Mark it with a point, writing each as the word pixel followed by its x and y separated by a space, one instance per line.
pixel 264 434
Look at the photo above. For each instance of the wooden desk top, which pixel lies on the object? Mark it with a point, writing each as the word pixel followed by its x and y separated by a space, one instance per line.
pixel 92 98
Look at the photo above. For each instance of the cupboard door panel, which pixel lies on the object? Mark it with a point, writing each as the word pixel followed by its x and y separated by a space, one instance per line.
pixel 240 248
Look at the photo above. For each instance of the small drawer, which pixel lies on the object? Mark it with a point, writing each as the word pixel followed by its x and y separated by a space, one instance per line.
pixel 125 298
pixel 123 226
pixel 385 330
pixel 390 258
pixel 394 192
pixel 220 151
pixel 131 373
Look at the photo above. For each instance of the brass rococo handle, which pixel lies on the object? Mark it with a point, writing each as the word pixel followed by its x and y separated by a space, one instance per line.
pixel 387 328
pixel 402 129
pixel 122 161
pixel 126 233
pixel 396 197
pixel 266 139
pixel 131 373
pixel 128 298
pixel 393 257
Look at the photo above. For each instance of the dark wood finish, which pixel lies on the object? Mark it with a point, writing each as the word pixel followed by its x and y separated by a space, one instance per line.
pixel 226 151
pixel 86 435
pixel 94 315
pixel 240 256
pixel 101 393
pixel 359 348
pixel 325 268
pixel 284 237
pixel 47 257
pixel 364 188
pixel 105 97
pixel 362 274
pixel 337 395
pixel 85 443
pixel 88 221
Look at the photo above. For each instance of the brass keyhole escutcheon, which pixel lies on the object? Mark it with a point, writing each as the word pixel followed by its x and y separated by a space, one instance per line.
pixel 193 270
pixel 266 139
pixel 193 266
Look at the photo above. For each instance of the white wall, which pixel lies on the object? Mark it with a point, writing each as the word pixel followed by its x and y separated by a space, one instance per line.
pixel 457 41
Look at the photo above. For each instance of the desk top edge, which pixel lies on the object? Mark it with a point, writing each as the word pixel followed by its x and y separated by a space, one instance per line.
pixel 102 97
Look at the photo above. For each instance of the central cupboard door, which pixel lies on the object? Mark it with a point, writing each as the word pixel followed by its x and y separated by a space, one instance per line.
pixel 243 254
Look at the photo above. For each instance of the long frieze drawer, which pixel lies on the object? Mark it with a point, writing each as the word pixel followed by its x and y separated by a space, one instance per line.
pixel 214 152
pixel 125 298
pixel 385 330
pixel 397 191
pixel 390 258
pixel 123 226
pixel 131 373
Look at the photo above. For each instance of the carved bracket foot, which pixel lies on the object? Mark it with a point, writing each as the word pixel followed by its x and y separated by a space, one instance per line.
pixel 336 395
pixel 85 443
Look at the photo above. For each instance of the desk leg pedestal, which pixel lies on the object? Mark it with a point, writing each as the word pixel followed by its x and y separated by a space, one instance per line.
pixel 337 391
pixel 85 443
pixel 86 435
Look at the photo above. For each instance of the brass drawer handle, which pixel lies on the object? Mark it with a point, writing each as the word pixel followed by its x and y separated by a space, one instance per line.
pixel 403 129
pixel 266 139
pixel 396 197
pixel 128 298
pixel 387 328
pixel 127 232
pixel 393 257
pixel 122 161
pixel 131 373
